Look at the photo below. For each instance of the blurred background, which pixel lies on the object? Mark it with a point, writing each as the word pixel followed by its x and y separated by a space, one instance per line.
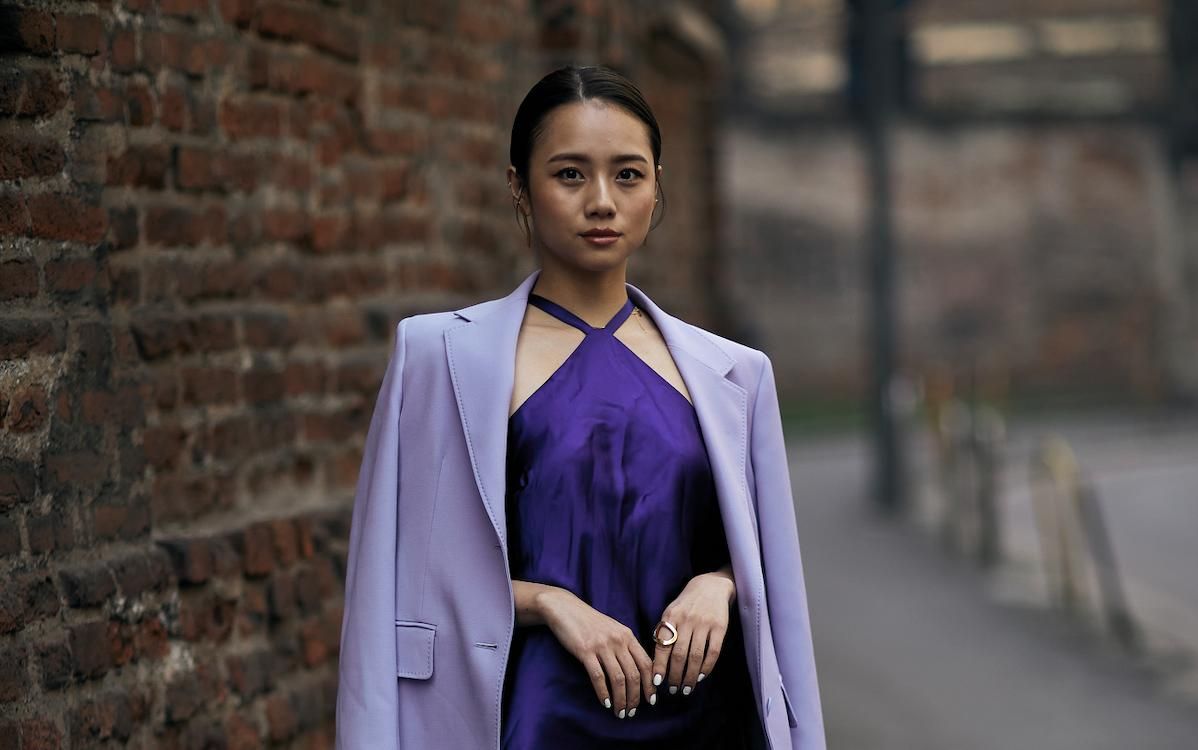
pixel 965 233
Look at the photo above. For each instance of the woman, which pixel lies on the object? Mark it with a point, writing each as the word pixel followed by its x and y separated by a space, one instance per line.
pixel 574 583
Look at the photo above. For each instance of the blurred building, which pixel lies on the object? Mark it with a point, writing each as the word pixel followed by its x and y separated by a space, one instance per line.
pixel 1043 175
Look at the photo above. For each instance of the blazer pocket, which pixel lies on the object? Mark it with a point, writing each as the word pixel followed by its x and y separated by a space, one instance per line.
pixel 414 649
pixel 790 711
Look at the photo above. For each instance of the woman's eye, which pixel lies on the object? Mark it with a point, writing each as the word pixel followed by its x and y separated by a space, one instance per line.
pixel 633 171
pixel 567 169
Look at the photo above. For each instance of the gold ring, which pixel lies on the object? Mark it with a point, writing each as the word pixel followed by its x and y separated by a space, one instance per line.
pixel 673 633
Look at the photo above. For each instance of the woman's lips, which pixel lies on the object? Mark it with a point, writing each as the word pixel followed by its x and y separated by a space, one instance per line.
pixel 601 240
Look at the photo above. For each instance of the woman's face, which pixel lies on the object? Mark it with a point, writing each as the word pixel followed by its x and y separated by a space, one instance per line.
pixel 591 168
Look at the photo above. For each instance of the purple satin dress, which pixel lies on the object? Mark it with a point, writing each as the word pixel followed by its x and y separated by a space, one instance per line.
pixel 610 495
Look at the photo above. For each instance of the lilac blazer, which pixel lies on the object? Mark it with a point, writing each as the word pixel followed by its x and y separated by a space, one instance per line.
pixel 429 611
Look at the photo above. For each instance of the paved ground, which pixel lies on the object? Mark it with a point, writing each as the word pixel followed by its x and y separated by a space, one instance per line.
pixel 914 650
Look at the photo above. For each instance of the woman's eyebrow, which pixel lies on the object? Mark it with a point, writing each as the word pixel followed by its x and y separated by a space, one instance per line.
pixel 587 159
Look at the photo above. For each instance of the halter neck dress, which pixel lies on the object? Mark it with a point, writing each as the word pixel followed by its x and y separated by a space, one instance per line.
pixel 610 496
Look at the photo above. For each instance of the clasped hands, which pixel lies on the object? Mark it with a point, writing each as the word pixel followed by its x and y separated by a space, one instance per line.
pixel 621 672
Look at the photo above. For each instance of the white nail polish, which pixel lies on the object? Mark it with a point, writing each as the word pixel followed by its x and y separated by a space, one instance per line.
pixel 686 689
pixel 673 689
pixel 607 702
pixel 701 676
pixel 632 713
pixel 621 713
pixel 653 699
pixel 656 680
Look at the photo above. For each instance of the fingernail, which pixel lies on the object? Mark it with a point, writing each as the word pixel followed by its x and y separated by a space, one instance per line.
pixel 632 713
pixel 656 680
pixel 607 702
pixel 673 689
pixel 686 689
pixel 701 676
pixel 621 713
pixel 653 699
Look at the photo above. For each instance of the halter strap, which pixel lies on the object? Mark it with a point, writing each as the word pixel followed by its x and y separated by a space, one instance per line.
pixel 566 316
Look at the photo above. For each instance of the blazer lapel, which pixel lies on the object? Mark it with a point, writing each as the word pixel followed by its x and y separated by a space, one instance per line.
pixel 481 354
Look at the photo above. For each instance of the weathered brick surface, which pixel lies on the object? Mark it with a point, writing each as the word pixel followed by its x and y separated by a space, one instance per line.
pixel 212 214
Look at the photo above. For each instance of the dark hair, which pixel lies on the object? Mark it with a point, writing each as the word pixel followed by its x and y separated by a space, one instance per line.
pixel 569 84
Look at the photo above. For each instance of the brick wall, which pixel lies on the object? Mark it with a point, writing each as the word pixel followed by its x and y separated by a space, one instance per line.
pixel 212 214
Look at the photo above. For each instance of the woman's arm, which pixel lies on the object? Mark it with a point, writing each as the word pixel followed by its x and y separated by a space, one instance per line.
pixel 530 601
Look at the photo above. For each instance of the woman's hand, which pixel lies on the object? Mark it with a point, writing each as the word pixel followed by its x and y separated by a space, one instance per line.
pixel 606 648
pixel 700 614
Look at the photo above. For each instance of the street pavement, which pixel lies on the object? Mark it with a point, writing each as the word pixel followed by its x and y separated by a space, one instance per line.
pixel 916 648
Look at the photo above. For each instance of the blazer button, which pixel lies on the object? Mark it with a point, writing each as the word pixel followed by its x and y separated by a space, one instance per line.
pixel 768 701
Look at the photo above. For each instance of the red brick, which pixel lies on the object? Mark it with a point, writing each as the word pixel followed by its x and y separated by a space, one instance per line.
pixel 50 532
pixel 28 410
pixel 207 386
pixel 204 615
pixel 200 169
pixel 392 142
pixel 76 467
pixel 251 117
pixel 57 216
pixel 70 274
pixel 26 599
pixel 18 278
pixel 10 536
pixel 80 33
pixel 312 26
pixel 151 640
pixel 174 107
pixel 107 719
pixel 176 498
pixel 302 378
pixel 34 31
pixel 165 445
pixel 267 329
pixel 30 92
pixel 123 56
pixel 285 225
pixel 24 337
pixel 214 332
pixel 181 226
pixel 256 546
pixel 87 586
pixel 14 678
pixel 241 733
pixel 286 541
pixel 263 385
pixel 91 649
pixel 142 166
pixel 191 558
pixel 98 102
pixel 297 75
pixel 183 51
pixel 184 8
pixel 54 658
pixel 281 720
pixel 30 156
pixel 40 733
pixel 14 215
pixel 141 571
pixel 121 519
pixel 237 12
pixel 139 105
pixel 161 336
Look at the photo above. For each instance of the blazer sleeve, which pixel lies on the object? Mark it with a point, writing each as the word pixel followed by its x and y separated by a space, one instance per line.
pixel 786 592
pixel 367 686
